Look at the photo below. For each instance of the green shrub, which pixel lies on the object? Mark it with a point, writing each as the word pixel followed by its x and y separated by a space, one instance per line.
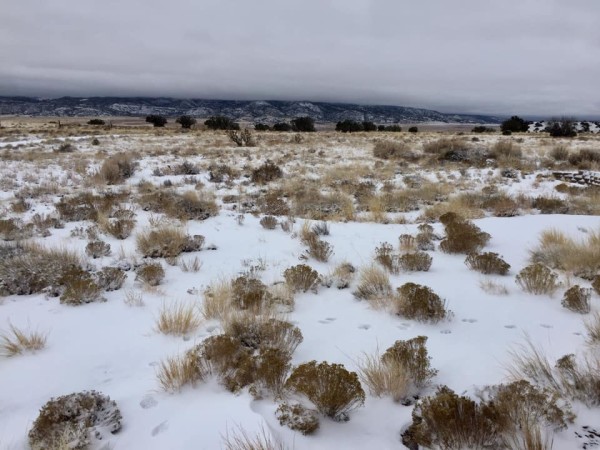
pixel 74 421
pixel 487 263
pixel 577 299
pixel 420 303
pixel 301 278
pixel 330 387
pixel 537 279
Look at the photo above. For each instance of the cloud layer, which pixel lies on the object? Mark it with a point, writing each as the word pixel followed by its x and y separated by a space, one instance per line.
pixel 512 56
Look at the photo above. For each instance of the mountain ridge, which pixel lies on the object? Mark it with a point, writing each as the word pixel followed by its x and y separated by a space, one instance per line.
pixel 268 111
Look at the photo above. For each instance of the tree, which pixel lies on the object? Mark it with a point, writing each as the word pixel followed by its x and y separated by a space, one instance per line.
pixel 482 129
pixel 262 127
pixel 186 121
pixel 413 130
pixel 156 120
pixel 369 126
pixel 563 127
pixel 282 126
pixel 96 122
pixel 221 123
pixel 515 124
pixel 349 126
pixel 305 123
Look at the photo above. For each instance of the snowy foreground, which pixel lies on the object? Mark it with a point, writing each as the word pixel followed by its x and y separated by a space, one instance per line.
pixel 114 348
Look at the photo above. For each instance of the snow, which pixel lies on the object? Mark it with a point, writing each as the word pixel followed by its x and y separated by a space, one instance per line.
pixel 114 348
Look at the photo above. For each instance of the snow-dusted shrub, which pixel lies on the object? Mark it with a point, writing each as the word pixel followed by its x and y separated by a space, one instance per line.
pixel 14 229
pixel 97 249
pixel 266 173
pixel 550 205
pixel 301 278
pixel 249 294
pixel 16 341
pixel 79 287
pixel 343 275
pixel 408 243
pixel 384 255
pixel 257 332
pixel 298 418
pixel 31 269
pixel 577 299
pixel 118 228
pixel 117 168
pixel 374 285
pixel 385 378
pixel 110 278
pixel 317 248
pixel 321 228
pixel 269 222
pixel 506 149
pixel 462 236
pixel 75 421
pixel 592 327
pixel 415 262
pixel 272 366
pixel 487 263
pixel 537 279
pixel 163 242
pixel 390 150
pixel 420 303
pixel 330 387
pixel 190 205
pixel 150 273
pixel 87 206
pixel 596 284
pixel 412 355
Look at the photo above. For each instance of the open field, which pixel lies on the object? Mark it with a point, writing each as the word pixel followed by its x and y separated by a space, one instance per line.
pixel 191 280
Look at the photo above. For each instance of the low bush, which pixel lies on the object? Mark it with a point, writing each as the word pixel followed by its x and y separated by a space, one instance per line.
pixel 298 418
pixel 178 318
pixel 413 356
pixel 262 333
pixel 596 284
pixel 317 248
pixel 118 228
pixel 16 341
pixel 110 278
pixel 14 230
pixel 462 236
pixel 330 387
pixel 249 294
pixel 79 287
pixel 577 299
pixel 390 150
pixel 384 255
pixel 388 378
pixel 163 242
pixel 190 205
pixel 415 262
pixel 487 263
pixel 420 303
pixel 97 249
pixel 374 286
pixel 79 419
pixel 242 138
pixel 179 371
pixel 266 173
pixel 150 273
pixel 269 222
pixel 537 279
pixel 506 149
pixel 117 168
pixel 559 153
pixel 301 278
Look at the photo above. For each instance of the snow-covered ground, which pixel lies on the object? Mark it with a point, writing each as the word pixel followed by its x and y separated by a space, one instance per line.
pixel 115 348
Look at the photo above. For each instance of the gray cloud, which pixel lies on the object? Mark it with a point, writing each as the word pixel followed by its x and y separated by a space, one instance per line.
pixel 512 56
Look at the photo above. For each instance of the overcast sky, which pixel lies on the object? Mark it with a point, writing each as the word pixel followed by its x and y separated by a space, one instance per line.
pixel 509 56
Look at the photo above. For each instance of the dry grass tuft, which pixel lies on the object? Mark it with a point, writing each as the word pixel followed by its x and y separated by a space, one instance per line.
pixel 179 371
pixel 240 440
pixel 592 326
pixel 16 341
pixel 164 242
pixel 374 286
pixel 384 378
pixel 537 279
pixel 493 288
pixel 178 318
pixel 217 300
pixel 133 298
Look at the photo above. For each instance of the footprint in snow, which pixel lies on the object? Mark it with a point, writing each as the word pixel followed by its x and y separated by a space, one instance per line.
pixel 469 320
pixel 161 427
pixel 364 326
pixel 510 326
pixel 153 363
pixel 148 402
pixel 545 325
pixel 330 319
pixel 445 331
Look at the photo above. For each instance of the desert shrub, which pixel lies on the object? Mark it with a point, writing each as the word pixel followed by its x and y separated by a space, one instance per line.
pixel 374 285
pixel 462 236
pixel 79 286
pixel 317 248
pixel 408 243
pixel 179 371
pixel 384 255
pixel 266 173
pixel 186 121
pixel 163 242
pixel 415 262
pixel 390 150
pixel 343 275
pixel 117 168
pixel 506 149
pixel 14 229
pixel 156 120
pixel 385 378
pixel 487 263
pixel 301 278
pixel 596 284
pixel 186 168
pixel 66 147
pixel 330 387
pixel 242 138
pixel 585 157
pixel 97 249
pixel 16 341
pixel 413 129
pixel 249 294
pixel 537 279
pixel 303 124
pixel 87 206
pixel 592 327
pixel 420 303
pixel 515 124
pixel 260 333
pixel 445 146
pixel 577 299
pixel 150 273
pixel 413 356
pixel 187 206
pixel 272 368
pixel 81 419
pixel 550 205
pixel 269 222
pixel 298 418
pixel 449 421
pixel 118 228
pixel 559 153
pixel 320 229
pixel 95 122
pixel 563 127
pixel 221 123
pixel 177 318
pixel 29 270
pixel 110 278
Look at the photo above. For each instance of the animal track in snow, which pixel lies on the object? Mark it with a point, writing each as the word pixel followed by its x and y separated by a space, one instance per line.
pixel 469 320
pixel 148 402
pixel 545 325
pixel 161 427
pixel 364 326
pixel 510 326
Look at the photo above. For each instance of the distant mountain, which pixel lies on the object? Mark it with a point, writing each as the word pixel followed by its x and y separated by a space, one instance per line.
pixel 251 111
